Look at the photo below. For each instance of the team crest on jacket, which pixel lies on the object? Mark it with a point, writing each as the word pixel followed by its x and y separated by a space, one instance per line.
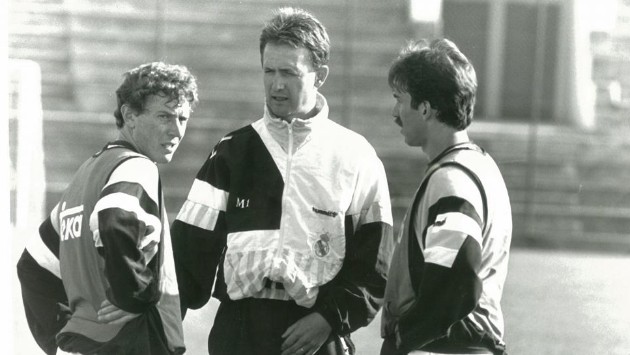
pixel 322 246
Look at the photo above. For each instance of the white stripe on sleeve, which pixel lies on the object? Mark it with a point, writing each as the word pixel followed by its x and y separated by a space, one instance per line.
pixel 44 257
pixel 446 236
pixel 127 203
pixel 198 215
pixel 205 194
pixel 137 170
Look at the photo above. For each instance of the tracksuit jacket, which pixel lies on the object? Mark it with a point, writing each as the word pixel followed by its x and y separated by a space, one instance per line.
pixel 450 263
pixel 288 211
pixel 107 238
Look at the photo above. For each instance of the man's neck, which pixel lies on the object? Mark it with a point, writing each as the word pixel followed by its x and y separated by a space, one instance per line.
pixel 444 139
pixel 125 135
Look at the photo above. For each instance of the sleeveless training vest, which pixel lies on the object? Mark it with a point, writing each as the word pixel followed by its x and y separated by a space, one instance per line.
pixel 82 268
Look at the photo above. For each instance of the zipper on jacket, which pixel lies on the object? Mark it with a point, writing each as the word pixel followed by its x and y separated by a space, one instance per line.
pixel 284 195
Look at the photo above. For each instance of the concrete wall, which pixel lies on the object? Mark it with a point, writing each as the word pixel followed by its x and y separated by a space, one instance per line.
pixel 568 186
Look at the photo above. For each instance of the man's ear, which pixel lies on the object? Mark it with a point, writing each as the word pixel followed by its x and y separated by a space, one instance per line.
pixel 129 115
pixel 425 109
pixel 320 75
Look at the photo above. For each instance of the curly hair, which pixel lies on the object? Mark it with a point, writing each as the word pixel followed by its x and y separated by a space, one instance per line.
pixel 174 81
pixel 297 28
pixel 437 72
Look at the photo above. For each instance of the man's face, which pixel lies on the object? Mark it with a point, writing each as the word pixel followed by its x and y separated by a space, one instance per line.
pixel 290 81
pixel 413 125
pixel 157 131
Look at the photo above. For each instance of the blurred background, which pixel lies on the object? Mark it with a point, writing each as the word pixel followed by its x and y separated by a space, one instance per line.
pixel 553 109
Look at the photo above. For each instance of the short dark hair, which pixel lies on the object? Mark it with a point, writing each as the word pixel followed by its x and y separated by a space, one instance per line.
pixel 157 78
pixel 437 72
pixel 297 28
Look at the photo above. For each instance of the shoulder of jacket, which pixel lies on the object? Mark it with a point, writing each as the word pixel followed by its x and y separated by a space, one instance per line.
pixel 241 132
pixel 238 135
pixel 351 141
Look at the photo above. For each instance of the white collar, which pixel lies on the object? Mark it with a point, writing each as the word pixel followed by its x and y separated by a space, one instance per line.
pixel 321 104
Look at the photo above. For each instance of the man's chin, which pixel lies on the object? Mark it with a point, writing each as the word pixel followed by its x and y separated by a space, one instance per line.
pixel 279 112
pixel 164 159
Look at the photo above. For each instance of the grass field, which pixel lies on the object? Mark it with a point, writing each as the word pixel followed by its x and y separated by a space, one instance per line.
pixel 554 302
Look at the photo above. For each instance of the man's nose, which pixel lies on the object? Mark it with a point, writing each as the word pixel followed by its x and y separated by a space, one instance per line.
pixel 177 128
pixel 278 82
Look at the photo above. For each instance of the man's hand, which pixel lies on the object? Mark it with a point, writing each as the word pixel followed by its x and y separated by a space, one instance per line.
pixel 111 314
pixel 306 335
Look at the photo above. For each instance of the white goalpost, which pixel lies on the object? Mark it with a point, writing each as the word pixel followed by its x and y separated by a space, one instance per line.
pixel 6 256
pixel 26 182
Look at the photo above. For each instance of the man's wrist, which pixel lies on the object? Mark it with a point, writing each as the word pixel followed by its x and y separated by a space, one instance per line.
pixel 397 333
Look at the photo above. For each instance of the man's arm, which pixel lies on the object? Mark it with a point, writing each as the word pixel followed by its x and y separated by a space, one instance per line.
pixel 127 225
pixel 352 299
pixel 44 297
pixel 199 232
pixel 451 242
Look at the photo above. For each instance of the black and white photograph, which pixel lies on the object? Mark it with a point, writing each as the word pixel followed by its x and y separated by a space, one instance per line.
pixel 315 177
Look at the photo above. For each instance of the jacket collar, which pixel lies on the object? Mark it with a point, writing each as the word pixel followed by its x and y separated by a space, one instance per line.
pixel 322 114
pixel 301 128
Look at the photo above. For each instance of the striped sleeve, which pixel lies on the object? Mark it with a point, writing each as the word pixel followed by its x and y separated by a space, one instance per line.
pixel 455 214
pixel 449 224
pixel 126 226
pixel 208 195
pixel 44 248
pixel 201 208
pixel 199 231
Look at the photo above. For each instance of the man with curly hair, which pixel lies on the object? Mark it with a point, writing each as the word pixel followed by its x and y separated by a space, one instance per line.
pixel 100 277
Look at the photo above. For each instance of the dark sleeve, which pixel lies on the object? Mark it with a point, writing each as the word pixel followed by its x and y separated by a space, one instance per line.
pixel 449 288
pixel 446 296
pixel 197 254
pixel 128 235
pixel 133 283
pixel 352 299
pixel 43 294
pixel 199 232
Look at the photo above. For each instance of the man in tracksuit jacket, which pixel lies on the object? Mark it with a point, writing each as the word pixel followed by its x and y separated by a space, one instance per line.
pixel 449 266
pixel 100 279
pixel 291 213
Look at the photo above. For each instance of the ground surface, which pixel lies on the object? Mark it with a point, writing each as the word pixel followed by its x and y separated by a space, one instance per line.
pixel 555 303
